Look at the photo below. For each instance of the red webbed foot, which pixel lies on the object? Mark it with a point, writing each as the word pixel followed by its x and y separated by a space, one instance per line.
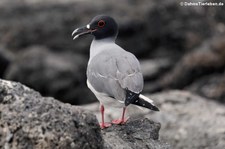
pixel 104 125
pixel 120 121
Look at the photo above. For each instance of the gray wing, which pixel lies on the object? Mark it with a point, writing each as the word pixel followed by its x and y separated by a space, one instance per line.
pixel 113 72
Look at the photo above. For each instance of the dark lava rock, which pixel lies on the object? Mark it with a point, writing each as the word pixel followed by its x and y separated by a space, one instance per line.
pixel 38 24
pixel 137 134
pixel 6 58
pixel 153 68
pixel 207 59
pixel 61 75
pixel 28 120
pixel 192 66
pixel 211 86
pixel 173 29
pixel 147 28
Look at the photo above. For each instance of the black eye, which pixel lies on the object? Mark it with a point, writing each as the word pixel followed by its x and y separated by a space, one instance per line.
pixel 101 23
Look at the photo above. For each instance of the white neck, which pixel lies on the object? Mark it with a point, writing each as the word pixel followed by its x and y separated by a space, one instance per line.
pixel 96 46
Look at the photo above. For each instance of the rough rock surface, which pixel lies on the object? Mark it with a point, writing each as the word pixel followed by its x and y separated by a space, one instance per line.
pixel 137 134
pixel 188 121
pixel 28 120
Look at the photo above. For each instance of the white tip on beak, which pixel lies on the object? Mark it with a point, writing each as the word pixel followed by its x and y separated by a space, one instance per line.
pixel 75 37
pixel 82 31
pixel 74 32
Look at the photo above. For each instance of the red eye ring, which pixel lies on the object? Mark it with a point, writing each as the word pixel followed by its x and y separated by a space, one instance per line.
pixel 101 23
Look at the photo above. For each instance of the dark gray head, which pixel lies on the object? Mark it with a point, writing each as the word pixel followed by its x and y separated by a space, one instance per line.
pixel 100 26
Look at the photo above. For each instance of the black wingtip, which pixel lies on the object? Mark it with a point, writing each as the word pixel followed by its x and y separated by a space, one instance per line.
pixel 154 108
pixel 145 104
pixel 133 98
pixel 130 97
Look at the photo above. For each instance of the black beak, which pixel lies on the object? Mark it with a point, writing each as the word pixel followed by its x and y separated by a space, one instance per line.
pixel 82 31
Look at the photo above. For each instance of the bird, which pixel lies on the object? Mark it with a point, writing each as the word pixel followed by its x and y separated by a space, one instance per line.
pixel 113 74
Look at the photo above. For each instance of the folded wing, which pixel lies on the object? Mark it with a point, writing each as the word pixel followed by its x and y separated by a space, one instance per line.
pixel 115 72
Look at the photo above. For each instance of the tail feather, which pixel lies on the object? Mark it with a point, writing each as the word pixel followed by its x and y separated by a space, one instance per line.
pixel 139 100
pixel 144 101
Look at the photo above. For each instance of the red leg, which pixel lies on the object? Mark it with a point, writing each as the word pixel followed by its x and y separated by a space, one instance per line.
pixel 103 124
pixel 122 120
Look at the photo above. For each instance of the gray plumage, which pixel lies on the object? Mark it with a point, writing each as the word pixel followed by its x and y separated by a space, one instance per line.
pixel 111 70
pixel 113 74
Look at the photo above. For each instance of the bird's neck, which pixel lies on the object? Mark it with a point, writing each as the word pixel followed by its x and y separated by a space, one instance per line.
pixel 98 45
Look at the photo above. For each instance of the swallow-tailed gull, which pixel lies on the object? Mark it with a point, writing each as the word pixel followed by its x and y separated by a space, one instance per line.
pixel 112 73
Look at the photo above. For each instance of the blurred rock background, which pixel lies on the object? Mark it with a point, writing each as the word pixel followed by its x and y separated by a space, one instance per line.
pixel 179 47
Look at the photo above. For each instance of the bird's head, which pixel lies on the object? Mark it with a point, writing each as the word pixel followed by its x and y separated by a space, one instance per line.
pixel 100 26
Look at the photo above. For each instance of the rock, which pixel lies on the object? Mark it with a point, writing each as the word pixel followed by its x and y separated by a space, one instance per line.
pixel 191 67
pixel 135 134
pixel 6 58
pixel 188 121
pixel 51 26
pixel 62 75
pixel 161 23
pixel 211 86
pixel 161 30
pixel 207 59
pixel 152 69
pixel 173 29
pixel 29 120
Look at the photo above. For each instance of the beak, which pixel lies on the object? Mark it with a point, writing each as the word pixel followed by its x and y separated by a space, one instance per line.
pixel 82 31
